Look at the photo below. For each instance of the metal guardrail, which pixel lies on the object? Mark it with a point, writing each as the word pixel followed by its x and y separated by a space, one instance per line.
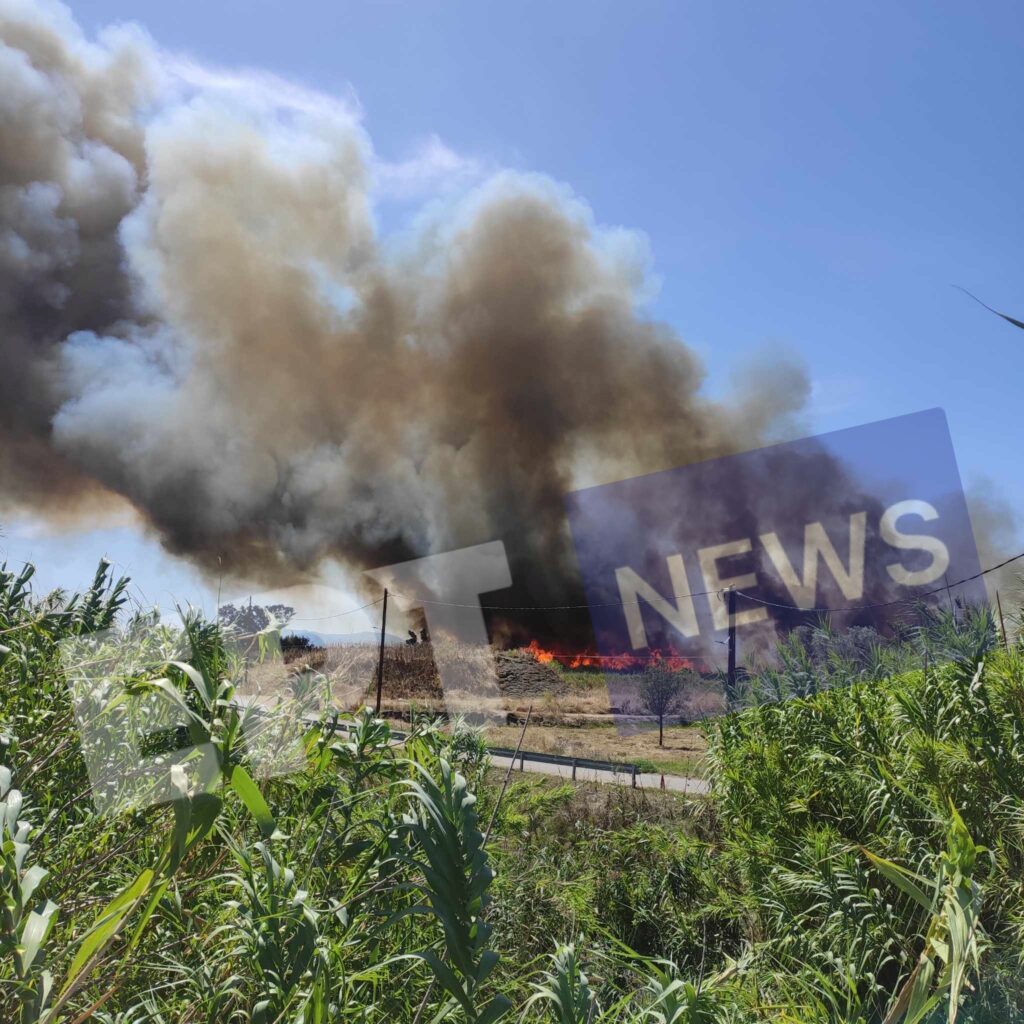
pixel 615 767
pixel 612 767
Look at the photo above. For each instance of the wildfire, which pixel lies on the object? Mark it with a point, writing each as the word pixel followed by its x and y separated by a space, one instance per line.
pixel 612 662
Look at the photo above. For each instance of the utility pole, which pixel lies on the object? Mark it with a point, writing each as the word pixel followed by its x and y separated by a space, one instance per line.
pixel 731 683
pixel 380 660
pixel 1002 625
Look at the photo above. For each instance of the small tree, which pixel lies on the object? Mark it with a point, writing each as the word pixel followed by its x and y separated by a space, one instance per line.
pixel 660 692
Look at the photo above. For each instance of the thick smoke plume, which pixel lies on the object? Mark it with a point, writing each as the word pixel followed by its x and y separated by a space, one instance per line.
pixel 199 315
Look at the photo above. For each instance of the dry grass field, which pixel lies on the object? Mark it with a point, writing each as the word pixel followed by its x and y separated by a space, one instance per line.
pixel 681 755
pixel 571 711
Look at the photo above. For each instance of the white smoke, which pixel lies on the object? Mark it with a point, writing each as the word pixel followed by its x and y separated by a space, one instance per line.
pixel 200 316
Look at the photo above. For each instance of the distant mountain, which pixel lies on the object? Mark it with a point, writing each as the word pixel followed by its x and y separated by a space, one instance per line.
pixel 366 636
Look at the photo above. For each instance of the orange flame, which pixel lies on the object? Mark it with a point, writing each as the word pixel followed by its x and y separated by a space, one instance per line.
pixel 544 657
pixel 613 662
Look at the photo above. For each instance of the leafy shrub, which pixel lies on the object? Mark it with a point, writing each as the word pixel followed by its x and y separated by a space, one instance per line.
pixel 859 859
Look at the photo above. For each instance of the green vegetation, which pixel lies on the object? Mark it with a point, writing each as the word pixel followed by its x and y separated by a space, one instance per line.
pixel 860 859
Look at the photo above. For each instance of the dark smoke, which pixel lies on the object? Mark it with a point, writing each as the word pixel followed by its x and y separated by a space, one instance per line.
pixel 199 317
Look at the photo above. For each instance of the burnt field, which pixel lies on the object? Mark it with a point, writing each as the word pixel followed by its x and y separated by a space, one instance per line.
pixel 571 713
pixel 559 694
pixel 411 676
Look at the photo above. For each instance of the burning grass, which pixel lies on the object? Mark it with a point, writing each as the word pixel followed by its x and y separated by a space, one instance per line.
pixel 607 662
pixel 562 690
pixel 572 714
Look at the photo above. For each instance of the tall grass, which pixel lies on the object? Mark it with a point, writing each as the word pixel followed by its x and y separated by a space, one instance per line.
pixel 860 857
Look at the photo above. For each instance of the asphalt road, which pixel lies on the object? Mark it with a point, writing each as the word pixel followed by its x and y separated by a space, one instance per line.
pixel 644 780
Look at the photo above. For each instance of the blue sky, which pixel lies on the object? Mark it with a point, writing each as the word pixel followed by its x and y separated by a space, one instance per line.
pixel 810 176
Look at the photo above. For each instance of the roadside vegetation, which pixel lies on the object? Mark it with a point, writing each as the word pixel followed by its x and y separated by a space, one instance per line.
pixel 860 857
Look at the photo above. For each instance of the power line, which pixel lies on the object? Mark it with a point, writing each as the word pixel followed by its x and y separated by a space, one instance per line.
pixel 535 607
pixel 336 615
pixel 884 604
pixel 419 602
